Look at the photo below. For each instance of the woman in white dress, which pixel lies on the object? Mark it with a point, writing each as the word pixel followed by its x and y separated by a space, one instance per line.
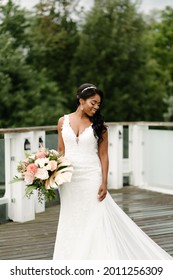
pixel 91 225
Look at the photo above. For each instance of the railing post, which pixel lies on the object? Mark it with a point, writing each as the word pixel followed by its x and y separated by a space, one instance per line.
pixel 137 135
pixel 115 148
pixel 20 208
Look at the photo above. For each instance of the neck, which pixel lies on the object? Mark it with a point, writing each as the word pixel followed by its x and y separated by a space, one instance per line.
pixel 80 114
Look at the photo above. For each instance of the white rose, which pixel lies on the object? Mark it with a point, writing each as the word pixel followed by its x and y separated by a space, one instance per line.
pixel 28 178
pixel 41 162
pixel 42 174
pixel 52 165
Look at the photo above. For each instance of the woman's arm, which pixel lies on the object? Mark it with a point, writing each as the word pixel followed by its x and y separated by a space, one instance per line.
pixel 103 155
pixel 61 147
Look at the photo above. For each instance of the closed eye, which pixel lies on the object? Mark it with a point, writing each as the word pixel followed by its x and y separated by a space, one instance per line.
pixel 95 103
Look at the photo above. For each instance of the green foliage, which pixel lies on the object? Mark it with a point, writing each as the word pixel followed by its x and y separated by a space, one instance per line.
pixel 43 194
pixel 45 55
pixel 163 53
pixel 14 22
pixel 28 96
pixel 114 54
pixel 53 40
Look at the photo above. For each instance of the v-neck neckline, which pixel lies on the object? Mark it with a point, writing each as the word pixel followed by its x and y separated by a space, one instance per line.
pixel 81 133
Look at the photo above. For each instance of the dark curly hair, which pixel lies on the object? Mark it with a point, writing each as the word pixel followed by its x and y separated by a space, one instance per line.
pixel 86 91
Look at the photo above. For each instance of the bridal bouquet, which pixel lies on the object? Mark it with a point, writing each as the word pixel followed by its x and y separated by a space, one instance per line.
pixel 44 171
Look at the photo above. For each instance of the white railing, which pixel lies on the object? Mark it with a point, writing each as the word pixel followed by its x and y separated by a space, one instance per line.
pixel 149 163
pixel 17 142
pixel 150 156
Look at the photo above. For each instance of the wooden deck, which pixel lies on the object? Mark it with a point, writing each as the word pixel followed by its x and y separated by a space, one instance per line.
pixel 152 211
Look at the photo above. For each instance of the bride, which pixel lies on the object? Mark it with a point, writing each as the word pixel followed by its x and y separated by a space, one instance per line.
pixel 91 225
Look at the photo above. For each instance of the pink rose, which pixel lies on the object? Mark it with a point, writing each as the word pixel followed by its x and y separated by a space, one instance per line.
pixel 40 154
pixel 32 168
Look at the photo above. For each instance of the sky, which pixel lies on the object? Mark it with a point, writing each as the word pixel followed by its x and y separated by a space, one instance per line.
pixel 146 5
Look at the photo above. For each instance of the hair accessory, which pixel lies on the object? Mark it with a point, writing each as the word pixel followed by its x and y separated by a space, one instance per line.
pixel 88 88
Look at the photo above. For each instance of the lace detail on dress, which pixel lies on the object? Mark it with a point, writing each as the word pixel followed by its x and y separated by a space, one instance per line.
pixel 66 120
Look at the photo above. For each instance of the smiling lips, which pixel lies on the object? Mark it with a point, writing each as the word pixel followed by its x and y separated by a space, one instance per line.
pixel 94 111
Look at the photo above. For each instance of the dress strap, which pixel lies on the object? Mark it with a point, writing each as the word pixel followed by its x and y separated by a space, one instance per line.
pixel 66 120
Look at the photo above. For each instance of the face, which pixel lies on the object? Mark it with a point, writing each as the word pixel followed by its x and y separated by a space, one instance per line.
pixel 91 105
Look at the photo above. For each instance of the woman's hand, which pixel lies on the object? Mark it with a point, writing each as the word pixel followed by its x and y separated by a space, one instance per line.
pixel 102 192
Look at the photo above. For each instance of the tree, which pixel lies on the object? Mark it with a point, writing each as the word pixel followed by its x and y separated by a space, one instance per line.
pixel 45 55
pixel 114 55
pixel 14 21
pixel 53 40
pixel 28 97
pixel 162 31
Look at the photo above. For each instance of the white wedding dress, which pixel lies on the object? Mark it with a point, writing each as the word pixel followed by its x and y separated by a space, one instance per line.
pixel 89 229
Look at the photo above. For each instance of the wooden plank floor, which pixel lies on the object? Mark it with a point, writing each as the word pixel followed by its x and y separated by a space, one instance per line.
pixel 152 211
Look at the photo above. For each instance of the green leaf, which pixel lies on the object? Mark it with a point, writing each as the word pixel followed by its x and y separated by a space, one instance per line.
pixel 29 190
pixel 16 179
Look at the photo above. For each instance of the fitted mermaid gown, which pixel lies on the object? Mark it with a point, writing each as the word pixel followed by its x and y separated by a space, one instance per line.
pixel 89 229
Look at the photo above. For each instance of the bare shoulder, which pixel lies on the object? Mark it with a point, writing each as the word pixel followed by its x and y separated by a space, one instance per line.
pixel 61 119
pixel 60 122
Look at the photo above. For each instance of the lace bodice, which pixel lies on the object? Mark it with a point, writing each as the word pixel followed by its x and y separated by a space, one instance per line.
pixel 85 144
